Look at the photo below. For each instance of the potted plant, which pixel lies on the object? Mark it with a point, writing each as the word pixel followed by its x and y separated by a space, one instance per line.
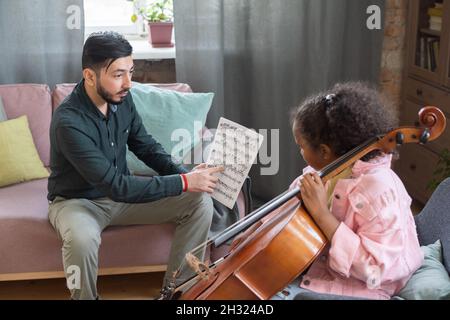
pixel 159 15
pixel 442 170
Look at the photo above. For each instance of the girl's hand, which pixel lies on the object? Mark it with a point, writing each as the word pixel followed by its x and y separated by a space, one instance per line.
pixel 314 194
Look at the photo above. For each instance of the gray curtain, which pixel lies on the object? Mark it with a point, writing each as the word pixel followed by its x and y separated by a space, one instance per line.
pixel 262 57
pixel 41 41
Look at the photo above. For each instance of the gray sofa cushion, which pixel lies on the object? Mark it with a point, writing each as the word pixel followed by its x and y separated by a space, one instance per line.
pixel 433 222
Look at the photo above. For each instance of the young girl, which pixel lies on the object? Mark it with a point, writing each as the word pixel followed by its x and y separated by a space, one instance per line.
pixel 365 211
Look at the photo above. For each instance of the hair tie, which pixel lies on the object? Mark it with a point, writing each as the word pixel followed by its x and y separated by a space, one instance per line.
pixel 330 99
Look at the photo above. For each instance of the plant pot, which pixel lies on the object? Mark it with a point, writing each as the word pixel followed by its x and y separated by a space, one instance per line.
pixel 160 34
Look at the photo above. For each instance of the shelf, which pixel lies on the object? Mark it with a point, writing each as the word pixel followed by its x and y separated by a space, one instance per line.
pixel 430 32
pixel 143 50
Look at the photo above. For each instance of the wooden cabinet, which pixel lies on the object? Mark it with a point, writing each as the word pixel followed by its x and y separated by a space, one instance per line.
pixel 427 82
pixel 417 167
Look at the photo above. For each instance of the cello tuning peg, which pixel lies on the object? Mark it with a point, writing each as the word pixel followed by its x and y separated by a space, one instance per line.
pixel 425 136
pixel 399 138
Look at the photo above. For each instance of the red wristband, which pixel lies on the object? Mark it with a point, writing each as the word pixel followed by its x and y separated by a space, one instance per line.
pixel 183 176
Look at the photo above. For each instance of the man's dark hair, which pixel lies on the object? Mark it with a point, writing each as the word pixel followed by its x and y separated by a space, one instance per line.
pixel 101 49
pixel 345 117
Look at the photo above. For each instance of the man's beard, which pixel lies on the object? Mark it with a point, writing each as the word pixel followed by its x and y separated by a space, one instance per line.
pixel 108 97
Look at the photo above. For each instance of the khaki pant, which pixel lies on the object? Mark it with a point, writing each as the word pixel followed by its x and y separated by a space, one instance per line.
pixel 79 223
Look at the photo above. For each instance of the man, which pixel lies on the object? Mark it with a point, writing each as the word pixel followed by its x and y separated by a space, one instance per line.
pixel 90 186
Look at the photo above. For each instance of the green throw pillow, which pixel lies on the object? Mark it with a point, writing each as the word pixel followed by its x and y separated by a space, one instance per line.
pixel 2 111
pixel 431 281
pixel 163 112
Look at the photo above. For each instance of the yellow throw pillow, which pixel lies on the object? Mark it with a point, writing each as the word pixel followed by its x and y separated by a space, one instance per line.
pixel 19 159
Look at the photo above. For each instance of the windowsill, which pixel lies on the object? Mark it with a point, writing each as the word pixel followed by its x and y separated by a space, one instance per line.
pixel 143 50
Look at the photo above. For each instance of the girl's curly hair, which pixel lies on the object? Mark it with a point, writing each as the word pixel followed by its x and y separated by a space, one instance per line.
pixel 344 118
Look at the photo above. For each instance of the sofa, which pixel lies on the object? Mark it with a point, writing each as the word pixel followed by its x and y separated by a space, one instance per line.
pixel 29 246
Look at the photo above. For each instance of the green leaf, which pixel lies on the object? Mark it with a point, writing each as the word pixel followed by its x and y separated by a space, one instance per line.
pixel 155 11
pixel 442 170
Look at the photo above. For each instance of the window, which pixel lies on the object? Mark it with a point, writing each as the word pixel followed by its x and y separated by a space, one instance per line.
pixel 115 15
pixel 112 15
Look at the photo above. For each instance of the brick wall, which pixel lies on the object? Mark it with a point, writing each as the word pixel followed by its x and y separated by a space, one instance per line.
pixel 394 50
pixel 155 71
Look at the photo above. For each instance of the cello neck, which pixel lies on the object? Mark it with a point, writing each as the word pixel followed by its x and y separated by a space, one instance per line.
pixel 348 159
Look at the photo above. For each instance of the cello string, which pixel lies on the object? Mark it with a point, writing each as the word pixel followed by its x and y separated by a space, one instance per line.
pixel 346 157
pixel 245 218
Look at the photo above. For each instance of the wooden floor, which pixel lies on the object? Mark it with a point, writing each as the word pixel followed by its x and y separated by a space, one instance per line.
pixel 124 287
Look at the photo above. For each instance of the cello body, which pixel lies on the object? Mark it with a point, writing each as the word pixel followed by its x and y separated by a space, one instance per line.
pixel 273 254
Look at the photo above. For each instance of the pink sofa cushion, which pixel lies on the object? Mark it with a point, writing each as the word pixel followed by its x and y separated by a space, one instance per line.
pixel 33 100
pixel 30 244
pixel 64 89
pixel 61 91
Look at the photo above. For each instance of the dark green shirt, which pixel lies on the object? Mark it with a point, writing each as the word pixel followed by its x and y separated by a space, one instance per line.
pixel 88 153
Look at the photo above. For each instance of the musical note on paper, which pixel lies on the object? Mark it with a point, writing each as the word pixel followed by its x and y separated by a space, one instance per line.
pixel 235 148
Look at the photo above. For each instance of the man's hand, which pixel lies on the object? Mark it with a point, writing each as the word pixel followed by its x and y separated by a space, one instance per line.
pixel 200 166
pixel 202 179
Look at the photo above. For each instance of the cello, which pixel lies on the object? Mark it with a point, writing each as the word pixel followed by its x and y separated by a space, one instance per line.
pixel 277 242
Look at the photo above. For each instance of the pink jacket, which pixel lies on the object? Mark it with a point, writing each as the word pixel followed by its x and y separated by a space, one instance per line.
pixel 375 249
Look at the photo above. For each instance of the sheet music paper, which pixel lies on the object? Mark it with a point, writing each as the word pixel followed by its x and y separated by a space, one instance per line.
pixel 235 147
